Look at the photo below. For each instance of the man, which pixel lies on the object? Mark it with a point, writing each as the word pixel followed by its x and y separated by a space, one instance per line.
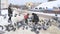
pixel 9 13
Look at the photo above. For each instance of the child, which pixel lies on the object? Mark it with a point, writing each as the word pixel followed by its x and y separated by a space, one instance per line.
pixel 26 18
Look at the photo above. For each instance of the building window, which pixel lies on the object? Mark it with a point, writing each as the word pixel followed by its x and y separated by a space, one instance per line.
pixel 36 8
pixel 51 0
pixel 40 8
pixel 46 7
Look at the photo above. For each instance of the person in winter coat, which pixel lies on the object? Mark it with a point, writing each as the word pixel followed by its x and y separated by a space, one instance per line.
pixel 35 18
pixel 26 18
pixel 9 13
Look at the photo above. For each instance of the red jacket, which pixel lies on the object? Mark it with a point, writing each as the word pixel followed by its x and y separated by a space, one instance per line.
pixel 26 16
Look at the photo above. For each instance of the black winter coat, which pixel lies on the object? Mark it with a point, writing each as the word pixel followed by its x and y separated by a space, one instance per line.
pixel 9 10
pixel 35 18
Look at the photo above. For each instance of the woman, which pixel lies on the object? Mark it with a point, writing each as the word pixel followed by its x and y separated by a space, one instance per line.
pixel 35 18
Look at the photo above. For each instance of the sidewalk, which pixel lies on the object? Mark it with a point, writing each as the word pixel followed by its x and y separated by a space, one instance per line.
pixel 51 30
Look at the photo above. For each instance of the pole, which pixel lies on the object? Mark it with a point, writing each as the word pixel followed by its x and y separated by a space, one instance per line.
pixel 0 7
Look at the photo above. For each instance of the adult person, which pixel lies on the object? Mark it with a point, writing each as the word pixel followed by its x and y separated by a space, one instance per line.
pixel 9 13
pixel 35 18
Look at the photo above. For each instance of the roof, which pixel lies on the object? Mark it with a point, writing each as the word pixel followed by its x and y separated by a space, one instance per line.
pixel 49 4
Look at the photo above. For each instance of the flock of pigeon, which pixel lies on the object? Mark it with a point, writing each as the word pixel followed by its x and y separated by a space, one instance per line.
pixel 34 28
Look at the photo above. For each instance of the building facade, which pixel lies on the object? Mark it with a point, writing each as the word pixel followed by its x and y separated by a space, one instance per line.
pixel 4 4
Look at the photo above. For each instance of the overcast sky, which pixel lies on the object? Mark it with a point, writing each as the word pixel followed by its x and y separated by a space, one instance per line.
pixel 22 2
